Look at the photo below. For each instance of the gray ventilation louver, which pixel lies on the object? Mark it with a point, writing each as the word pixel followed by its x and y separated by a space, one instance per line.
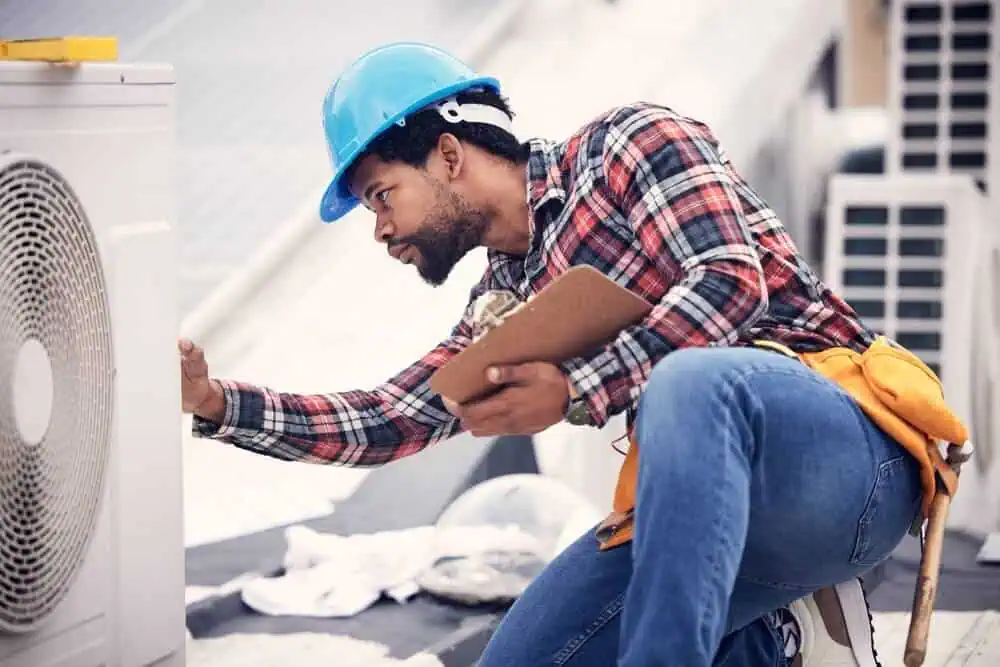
pixel 56 389
pixel 903 251
pixel 943 62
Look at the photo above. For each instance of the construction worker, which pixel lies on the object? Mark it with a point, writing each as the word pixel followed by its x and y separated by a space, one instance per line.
pixel 761 492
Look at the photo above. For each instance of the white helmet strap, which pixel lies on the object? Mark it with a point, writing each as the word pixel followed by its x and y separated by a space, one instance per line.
pixel 453 112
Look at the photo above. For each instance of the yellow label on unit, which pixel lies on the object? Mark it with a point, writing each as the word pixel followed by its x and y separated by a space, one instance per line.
pixel 61 49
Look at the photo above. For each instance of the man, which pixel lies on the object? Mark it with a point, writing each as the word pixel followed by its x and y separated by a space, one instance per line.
pixel 762 490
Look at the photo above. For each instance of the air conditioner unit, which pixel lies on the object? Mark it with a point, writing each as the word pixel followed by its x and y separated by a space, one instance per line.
pixel 943 64
pixel 913 254
pixel 91 535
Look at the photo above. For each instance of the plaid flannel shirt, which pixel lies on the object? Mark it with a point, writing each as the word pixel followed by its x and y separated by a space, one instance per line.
pixel 646 196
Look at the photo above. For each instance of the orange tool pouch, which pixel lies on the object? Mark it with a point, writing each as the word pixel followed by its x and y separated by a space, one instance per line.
pixel 889 383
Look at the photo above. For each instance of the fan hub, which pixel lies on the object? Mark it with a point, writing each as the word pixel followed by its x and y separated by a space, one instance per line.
pixel 32 391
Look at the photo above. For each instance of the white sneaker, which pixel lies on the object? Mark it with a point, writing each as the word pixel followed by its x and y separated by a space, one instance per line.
pixel 830 628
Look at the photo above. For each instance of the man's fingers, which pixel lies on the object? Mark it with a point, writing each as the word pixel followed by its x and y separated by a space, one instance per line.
pixel 497 406
pixel 491 429
pixel 192 360
pixel 192 354
pixel 452 407
pixel 489 417
pixel 517 374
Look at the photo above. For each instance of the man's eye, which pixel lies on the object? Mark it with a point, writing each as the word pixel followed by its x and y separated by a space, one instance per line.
pixel 382 196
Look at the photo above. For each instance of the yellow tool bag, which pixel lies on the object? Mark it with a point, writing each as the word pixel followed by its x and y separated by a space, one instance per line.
pixel 905 398
pixel 897 390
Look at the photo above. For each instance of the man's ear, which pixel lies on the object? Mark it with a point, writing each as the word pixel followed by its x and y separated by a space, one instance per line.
pixel 452 155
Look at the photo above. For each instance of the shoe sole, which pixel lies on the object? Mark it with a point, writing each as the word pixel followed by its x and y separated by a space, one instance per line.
pixel 858 620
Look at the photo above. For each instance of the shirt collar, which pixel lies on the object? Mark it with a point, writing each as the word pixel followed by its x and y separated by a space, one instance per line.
pixel 544 187
pixel 544 174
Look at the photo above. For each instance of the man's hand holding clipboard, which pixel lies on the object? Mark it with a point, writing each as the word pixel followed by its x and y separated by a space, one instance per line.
pixel 576 314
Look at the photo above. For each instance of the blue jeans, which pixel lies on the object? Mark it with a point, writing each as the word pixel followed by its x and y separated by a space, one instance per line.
pixel 759 483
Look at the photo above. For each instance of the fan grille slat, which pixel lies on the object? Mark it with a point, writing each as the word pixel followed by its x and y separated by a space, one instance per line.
pixel 55 431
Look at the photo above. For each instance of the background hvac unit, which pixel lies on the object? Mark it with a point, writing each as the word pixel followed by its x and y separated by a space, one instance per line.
pixel 981 476
pixel 91 539
pixel 908 252
pixel 944 89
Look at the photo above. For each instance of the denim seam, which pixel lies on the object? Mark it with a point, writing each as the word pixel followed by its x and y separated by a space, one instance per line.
pixel 779 641
pixel 810 375
pixel 746 373
pixel 772 626
pixel 805 589
pixel 863 538
pixel 727 395
pixel 605 617
pixel 780 659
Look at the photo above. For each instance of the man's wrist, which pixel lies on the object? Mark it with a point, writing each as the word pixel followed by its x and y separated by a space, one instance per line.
pixel 213 408
pixel 573 396
pixel 576 412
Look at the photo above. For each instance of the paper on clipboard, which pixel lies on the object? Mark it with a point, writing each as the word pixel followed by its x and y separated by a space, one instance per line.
pixel 578 312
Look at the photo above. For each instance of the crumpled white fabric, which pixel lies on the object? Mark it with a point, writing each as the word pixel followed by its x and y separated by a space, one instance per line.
pixel 333 576
pixel 302 649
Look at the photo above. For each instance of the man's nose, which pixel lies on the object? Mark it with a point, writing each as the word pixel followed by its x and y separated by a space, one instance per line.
pixel 383 229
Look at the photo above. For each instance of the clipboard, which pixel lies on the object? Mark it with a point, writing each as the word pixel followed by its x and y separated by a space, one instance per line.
pixel 577 313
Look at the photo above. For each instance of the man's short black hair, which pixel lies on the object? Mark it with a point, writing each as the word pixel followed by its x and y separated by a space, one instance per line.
pixel 413 142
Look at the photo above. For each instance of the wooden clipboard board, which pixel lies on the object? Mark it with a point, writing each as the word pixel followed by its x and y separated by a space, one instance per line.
pixel 577 313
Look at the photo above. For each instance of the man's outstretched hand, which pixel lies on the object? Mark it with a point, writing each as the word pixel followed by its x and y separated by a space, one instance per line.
pixel 200 394
pixel 533 397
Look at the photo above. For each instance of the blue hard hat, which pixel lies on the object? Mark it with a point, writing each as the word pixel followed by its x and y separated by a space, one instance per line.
pixel 381 88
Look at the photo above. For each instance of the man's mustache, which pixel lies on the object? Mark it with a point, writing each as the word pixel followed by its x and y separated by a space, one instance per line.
pixel 414 240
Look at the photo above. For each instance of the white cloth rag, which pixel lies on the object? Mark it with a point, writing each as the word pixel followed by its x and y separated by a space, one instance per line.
pixel 333 576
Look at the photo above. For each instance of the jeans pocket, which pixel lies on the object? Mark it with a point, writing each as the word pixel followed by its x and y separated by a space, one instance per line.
pixel 892 505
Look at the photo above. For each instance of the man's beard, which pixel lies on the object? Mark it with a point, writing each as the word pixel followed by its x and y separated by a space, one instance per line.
pixel 447 236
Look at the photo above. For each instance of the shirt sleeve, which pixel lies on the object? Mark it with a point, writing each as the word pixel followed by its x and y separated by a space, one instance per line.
pixel 669 178
pixel 400 417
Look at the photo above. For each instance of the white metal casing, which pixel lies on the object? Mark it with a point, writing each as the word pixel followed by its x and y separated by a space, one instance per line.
pixel 909 292
pixel 944 104
pixel 908 251
pixel 944 60
pixel 978 504
pixel 109 129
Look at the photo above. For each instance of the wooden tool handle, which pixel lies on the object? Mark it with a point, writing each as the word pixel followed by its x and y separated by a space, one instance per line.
pixel 927 582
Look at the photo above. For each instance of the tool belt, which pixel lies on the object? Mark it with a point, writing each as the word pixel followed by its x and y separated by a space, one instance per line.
pixel 897 391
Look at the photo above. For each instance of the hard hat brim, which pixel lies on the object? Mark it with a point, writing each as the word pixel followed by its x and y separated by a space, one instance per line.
pixel 337 200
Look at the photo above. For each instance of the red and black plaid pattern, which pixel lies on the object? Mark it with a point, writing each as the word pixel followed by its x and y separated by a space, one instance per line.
pixel 644 195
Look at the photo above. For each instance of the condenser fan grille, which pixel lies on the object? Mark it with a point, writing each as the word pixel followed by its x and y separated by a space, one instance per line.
pixel 56 377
